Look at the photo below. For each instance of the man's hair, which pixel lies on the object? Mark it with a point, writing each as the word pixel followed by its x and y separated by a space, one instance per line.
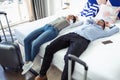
pixel 104 23
pixel 74 19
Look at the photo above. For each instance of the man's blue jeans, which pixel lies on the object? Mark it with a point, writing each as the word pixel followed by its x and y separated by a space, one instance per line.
pixel 36 38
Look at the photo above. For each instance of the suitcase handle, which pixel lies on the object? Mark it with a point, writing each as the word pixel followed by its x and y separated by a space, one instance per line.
pixel 3 13
pixel 76 59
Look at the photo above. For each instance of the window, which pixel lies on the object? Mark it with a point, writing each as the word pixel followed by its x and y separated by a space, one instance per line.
pixel 16 11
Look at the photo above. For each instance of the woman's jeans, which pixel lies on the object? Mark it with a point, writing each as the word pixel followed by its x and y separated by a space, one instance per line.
pixel 36 38
pixel 76 46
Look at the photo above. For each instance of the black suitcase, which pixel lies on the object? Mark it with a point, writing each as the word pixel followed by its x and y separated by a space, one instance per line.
pixel 76 59
pixel 0 39
pixel 10 54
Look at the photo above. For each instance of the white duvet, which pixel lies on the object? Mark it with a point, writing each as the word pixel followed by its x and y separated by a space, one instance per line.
pixel 102 60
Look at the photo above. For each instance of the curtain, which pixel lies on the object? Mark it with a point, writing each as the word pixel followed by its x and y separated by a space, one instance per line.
pixel 39 8
pixel 30 10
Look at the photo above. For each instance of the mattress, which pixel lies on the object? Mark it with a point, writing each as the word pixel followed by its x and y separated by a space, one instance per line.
pixel 102 59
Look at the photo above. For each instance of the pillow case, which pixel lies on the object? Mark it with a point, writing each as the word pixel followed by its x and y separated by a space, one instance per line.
pixel 108 13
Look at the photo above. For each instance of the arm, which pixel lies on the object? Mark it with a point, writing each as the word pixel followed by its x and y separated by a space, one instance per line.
pixel 112 30
pixel 107 24
pixel 74 24
pixel 72 18
pixel 79 23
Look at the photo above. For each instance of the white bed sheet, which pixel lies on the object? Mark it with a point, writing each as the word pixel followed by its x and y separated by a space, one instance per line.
pixel 103 60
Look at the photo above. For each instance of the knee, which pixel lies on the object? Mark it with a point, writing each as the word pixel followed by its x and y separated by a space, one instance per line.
pixel 48 48
pixel 35 44
pixel 66 58
pixel 26 40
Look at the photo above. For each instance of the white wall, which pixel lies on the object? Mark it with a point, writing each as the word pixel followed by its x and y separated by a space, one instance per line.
pixel 77 5
pixel 56 5
pixel 53 6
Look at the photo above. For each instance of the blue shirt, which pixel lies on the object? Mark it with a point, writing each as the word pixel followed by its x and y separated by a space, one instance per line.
pixel 91 31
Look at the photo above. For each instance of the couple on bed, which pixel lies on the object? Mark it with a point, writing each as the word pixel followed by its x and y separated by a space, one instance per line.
pixel 77 41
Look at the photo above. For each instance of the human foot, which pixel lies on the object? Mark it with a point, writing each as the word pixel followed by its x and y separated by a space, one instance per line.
pixel 26 67
pixel 41 78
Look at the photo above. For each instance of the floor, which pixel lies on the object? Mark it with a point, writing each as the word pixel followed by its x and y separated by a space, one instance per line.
pixel 10 75
pixel 53 73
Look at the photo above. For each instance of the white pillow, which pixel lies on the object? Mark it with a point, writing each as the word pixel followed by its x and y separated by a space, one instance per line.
pixel 108 13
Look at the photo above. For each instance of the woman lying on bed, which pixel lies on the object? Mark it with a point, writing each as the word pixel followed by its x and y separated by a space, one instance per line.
pixel 77 42
pixel 48 32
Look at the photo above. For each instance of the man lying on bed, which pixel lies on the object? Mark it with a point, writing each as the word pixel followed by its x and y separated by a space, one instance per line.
pixel 77 42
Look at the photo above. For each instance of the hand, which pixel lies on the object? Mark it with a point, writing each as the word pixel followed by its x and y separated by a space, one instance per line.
pixel 71 17
pixel 107 24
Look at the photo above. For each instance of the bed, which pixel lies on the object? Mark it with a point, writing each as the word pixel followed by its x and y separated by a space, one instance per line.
pixel 102 59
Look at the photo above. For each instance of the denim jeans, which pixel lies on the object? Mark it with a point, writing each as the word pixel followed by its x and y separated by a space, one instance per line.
pixel 36 38
pixel 0 39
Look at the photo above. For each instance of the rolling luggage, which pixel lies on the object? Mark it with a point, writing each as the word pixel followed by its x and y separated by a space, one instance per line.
pixel 0 39
pixel 10 54
pixel 76 59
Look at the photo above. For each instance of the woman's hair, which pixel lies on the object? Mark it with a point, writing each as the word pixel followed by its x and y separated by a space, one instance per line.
pixel 74 19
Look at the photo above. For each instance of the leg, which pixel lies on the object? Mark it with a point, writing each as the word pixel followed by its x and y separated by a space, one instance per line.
pixel 77 47
pixel 28 44
pixel 28 40
pixel 56 45
pixel 46 36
